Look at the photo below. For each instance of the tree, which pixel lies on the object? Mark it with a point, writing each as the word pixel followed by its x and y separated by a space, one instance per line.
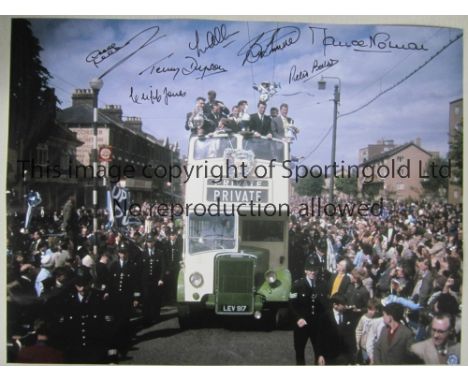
pixel 347 185
pixel 435 182
pixel 310 185
pixel 371 190
pixel 32 101
pixel 456 155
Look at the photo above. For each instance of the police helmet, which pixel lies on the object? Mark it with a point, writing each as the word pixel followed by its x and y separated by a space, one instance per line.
pixel 312 263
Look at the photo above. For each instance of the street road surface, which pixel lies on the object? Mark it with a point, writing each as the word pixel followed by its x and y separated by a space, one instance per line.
pixel 216 342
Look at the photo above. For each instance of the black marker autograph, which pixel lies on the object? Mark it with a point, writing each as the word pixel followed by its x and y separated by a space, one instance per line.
pixel 380 42
pixel 269 42
pixel 153 96
pixel 99 55
pixel 192 66
pixel 213 38
pixel 305 75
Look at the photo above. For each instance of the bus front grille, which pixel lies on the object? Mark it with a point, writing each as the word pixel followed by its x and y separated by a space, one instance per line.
pixel 234 288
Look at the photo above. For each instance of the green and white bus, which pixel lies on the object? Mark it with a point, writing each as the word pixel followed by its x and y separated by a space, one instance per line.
pixel 235 252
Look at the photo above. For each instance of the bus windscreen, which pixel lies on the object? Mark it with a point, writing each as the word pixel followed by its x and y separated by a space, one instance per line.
pixel 208 233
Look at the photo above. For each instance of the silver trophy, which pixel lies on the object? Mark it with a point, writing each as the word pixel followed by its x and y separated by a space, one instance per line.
pixel 267 90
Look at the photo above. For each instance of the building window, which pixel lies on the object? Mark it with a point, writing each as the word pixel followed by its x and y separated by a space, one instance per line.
pixel 66 159
pixel 42 154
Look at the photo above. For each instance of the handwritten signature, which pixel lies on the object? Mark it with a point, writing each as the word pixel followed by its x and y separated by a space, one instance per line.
pixel 213 38
pixel 99 55
pixel 380 42
pixel 192 66
pixel 305 75
pixel 155 95
pixel 269 42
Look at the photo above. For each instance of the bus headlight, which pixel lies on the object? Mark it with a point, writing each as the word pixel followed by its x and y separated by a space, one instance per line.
pixel 196 279
pixel 270 277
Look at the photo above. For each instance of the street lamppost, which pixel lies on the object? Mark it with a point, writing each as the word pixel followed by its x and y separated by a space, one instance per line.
pixel 96 85
pixel 336 100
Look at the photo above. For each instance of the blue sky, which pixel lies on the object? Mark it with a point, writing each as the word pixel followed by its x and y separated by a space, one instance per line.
pixel 418 107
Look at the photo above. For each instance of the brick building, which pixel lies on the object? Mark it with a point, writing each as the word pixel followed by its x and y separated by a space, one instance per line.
pixel 455 194
pixel 129 143
pixel 374 149
pixel 395 186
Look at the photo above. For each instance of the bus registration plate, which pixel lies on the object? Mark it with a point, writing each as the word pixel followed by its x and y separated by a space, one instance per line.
pixel 235 308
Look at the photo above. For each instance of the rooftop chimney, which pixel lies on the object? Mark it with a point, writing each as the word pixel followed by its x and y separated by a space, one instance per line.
pixel 114 112
pixel 82 97
pixel 134 123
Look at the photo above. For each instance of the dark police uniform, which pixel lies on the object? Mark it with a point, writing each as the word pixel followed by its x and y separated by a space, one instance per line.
pixel 307 301
pixel 153 267
pixel 173 256
pixel 123 290
pixel 84 327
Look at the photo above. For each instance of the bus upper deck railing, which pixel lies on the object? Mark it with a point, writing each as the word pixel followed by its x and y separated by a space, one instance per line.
pixel 221 145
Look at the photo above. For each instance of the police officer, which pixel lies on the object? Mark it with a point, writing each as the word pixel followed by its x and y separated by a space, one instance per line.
pixel 124 294
pixel 84 322
pixel 153 267
pixel 308 302
pixel 173 258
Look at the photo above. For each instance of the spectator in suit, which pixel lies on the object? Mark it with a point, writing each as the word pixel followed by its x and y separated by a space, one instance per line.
pixel 336 339
pixel 358 295
pixel 440 349
pixel 340 282
pixel 423 288
pixel 395 340
pixel 260 123
pixel 281 125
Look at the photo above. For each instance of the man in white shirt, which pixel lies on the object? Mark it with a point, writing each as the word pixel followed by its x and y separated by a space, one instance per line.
pixel 280 124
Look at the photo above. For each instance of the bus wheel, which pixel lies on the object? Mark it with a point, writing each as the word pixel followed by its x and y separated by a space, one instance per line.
pixel 185 316
pixel 268 321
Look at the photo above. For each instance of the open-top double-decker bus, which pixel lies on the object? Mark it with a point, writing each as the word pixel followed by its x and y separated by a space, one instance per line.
pixel 235 253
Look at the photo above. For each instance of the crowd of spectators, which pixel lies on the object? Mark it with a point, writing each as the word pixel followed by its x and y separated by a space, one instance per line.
pixel 408 259
pixel 401 270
